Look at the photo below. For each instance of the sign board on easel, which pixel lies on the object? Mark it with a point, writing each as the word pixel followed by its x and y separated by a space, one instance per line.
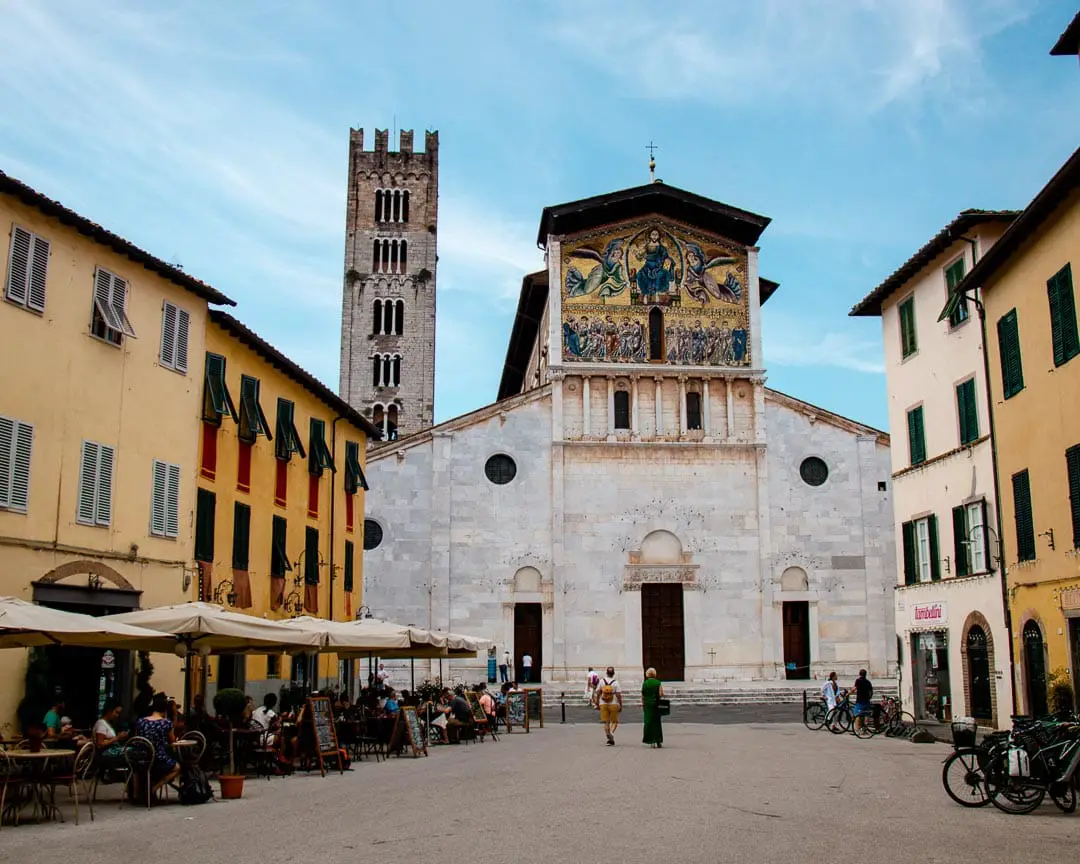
pixel 321 716
pixel 407 733
pixel 534 707
pixel 515 711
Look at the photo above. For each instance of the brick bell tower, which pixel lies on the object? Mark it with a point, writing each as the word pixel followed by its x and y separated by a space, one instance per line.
pixel 388 313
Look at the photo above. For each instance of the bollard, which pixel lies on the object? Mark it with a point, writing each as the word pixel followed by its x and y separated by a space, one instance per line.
pixel 562 706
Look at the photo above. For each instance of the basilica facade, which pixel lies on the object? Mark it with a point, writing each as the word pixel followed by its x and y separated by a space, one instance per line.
pixel 636 496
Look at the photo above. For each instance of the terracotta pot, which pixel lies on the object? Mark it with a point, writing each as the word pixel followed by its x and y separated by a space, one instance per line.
pixel 232 786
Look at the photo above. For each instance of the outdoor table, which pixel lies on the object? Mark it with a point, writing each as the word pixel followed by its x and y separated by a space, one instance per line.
pixel 36 765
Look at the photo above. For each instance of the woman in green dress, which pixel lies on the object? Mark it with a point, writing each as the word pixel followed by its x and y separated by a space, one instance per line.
pixel 652 691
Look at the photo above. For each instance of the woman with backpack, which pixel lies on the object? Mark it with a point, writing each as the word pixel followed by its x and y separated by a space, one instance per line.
pixel 592 680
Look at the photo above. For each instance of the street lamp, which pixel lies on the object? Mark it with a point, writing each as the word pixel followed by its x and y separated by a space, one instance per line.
pixel 225 591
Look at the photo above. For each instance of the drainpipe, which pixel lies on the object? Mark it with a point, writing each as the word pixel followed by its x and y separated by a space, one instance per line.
pixel 333 501
pixel 997 488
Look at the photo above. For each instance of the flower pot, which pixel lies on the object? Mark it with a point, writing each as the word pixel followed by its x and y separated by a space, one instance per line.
pixel 232 786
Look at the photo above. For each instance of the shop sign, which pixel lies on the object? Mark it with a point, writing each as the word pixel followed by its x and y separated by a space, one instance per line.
pixel 928 614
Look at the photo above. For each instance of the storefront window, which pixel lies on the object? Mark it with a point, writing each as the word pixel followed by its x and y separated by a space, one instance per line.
pixel 933 698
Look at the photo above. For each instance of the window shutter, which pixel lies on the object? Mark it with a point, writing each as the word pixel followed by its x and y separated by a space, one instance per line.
pixel 279 560
pixel 39 266
pixel 935 564
pixel 103 299
pixel 910 564
pixel 916 439
pixel 119 305
pixel 20 468
pixel 205 507
pixel 7 445
pixel 183 327
pixel 103 513
pixel 962 412
pixel 1012 368
pixel 348 566
pixel 986 537
pixel 1063 316
pixel 1072 465
pixel 1057 331
pixel 168 335
pixel 172 503
pixel 1025 525
pixel 959 528
pixel 973 410
pixel 241 536
pixel 19 265
pixel 88 473
pixel 311 556
pixel 158 495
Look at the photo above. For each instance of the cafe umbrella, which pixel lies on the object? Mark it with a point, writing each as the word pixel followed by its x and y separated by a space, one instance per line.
pixel 28 625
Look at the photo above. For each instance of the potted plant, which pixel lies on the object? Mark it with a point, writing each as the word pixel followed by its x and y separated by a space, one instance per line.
pixel 229 706
pixel 1061 693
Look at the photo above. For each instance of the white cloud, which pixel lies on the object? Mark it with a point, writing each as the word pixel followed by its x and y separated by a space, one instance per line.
pixel 790 341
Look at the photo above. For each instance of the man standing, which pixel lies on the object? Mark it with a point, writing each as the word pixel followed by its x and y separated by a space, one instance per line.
pixel 526 665
pixel 609 698
pixel 383 678
pixel 830 691
pixel 591 681
pixel 864 692
pixel 504 667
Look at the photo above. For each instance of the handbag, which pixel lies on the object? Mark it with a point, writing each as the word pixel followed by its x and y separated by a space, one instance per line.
pixel 663 707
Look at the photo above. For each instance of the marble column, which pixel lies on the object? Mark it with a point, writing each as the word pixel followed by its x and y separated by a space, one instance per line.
pixel 659 407
pixel 705 407
pixel 635 429
pixel 611 407
pixel 586 409
pixel 682 405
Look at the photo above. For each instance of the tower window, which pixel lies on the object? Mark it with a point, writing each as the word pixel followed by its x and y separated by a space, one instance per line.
pixel 395 371
pixel 388 317
pixel 403 255
pixel 390 433
pixel 377 318
pixel 399 318
pixel 405 205
pixel 378 205
pixel 394 256
pixel 376 374
pixel 656 334
pixel 622 409
pixel 693 410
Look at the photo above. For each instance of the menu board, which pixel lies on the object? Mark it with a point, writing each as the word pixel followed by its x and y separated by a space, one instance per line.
pixel 412 726
pixel 534 706
pixel 515 711
pixel 477 709
pixel 321 716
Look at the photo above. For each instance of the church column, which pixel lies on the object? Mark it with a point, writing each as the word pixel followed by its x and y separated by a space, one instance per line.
pixel 682 404
pixel 611 407
pixel 705 407
pixel 730 408
pixel 634 428
pixel 659 407
pixel 586 409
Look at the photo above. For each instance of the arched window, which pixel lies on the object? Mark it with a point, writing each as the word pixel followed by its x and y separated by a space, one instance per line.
pixel 405 206
pixel 387 204
pixel 378 205
pixel 385 256
pixel 388 317
pixel 397 205
pixel 404 254
pixel 390 432
pixel 399 318
pixel 1035 670
pixel 377 318
pixel 693 410
pixel 378 416
pixel 376 252
pixel 377 365
pixel 393 256
pixel 395 371
pixel 656 334
pixel 622 409
pixel 387 369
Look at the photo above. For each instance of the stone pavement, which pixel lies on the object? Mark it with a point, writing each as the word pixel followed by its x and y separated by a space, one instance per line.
pixel 772 793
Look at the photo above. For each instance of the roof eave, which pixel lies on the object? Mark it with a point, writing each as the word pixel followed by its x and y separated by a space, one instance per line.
pixel 1068 43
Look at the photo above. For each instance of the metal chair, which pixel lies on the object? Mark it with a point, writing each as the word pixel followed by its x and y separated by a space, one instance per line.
pixel 196 754
pixel 139 755
pixel 10 777
pixel 82 772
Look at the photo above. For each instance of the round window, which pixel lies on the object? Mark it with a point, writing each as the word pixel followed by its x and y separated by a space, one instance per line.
pixel 372 534
pixel 814 471
pixel 500 469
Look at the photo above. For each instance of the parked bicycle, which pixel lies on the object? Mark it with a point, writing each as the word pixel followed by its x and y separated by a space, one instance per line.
pixel 963 773
pixel 1040 759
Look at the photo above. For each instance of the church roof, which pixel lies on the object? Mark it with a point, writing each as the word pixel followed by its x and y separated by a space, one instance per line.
pixel 1069 41
pixel 530 312
pixel 742 226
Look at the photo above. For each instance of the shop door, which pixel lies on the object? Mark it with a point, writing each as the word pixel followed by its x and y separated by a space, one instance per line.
pixel 797 640
pixel 528 639
pixel 662 643
pixel 1035 670
pixel 1074 641
pixel 979 674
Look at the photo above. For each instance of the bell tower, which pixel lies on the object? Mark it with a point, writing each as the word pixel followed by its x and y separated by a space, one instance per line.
pixel 388 309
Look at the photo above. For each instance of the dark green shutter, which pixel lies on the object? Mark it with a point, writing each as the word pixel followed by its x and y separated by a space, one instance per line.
pixel 910 565
pixel 959 530
pixel 279 559
pixel 1072 465
pixel 908 340
pixel 348 565
pixel 319 458
pixel 916 436
pixel 205 503
pixel 216 399
pixel 1012 367
pixel 968 411
pixel 986 537
pixel 311 556
pixel 1025 524
pixel 282 426
pixel 241 536
pixel 935 564
pixel 953 277
pixel 1059 289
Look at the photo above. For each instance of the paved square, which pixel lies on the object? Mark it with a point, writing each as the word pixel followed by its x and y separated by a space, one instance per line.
pixel 715 793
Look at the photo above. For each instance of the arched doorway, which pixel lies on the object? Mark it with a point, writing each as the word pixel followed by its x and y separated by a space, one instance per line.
pixel 1035 669
pixel 662 634
pixel 979 674
pixel 656 334
pixel 796 614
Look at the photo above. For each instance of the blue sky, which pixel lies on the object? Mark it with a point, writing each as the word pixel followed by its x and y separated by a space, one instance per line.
pixel 215 135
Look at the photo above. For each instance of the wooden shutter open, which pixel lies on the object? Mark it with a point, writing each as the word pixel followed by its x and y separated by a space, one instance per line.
pixel 911 575
pixel 103 291
pixel 935 564
pixel 1012 368
pixel 119 305
pixel 7 446
pixel 168 335
pixel 20 467
pixel 22 242
pixel 1072 467
pixel 158 494
pixel 959 528
pixel 279 558
pixel 39 268
pixel 103 511
pixel 183 330
pixel 241 536
pixel 1025 525
pixel 311 556
pixel 88 473
pixel 172 503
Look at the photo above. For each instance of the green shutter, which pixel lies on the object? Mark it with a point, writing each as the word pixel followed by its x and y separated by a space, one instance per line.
pixel 216 399
pixel 1025 524
pixel 968 412
pixel 986 537
pixel 908 340
pixel 311 556
pixel 319 458
pixel 910 564
pixel 1059 289
pixel 252 419
pixel 935 564
pixel 279 559
pixel 1012 367
pixel 959 530
pixel 916 436
pixel 348 565
pixel 354 474
pixel 241 536
pixel 953 277
pixel 1072 465
pixel 288 441
pixel 205 504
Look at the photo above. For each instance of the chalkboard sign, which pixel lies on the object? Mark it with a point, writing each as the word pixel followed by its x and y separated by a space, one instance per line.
pixel 534 706
pixel 477 709
pixel 321 717
pixel 515 711
pixel 407 733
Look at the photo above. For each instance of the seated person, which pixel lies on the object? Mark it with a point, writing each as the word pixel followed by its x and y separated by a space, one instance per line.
pixel 440 715
pixel 391 706
pixel 53 718
pixel 488 704
pixel 107 741
pixel 198 718
pixel 265 718
pixel 158 730
pixel 460 716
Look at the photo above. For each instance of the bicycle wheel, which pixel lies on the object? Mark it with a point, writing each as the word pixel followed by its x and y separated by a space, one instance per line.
pixel 902 726
pixel 1013 795
pixel 815 715
pixel 863 726
pixel 1064 795
pixel 839 720
pixel 964 778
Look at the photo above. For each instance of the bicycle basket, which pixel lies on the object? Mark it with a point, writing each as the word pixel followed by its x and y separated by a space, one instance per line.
pixel 964 731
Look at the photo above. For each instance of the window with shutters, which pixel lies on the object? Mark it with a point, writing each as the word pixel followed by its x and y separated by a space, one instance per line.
pixel 311 556
pixel 165 500
pixel 967 411
pixel 205 511
pixel 288 439
pixel 916 436
pixel 320 459
pixel 217 401
pixel 1063 331
pixel 28 264
pixel 95 484
pixel 348 566
pixel 354 473
pixel 175 326
pixel 252 419
pixel 909 342
pixel 1072 470
pixel 241 536
pixel 921 562
pixel 1012 367
pixel 1025 522
pixel 279 558
pixel 109 320
pixel 954 275
pixel 970 540
pixel 622 409
pixel 16 444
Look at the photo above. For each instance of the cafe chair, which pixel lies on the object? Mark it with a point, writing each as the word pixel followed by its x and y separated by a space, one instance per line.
pixel 194 757
pixel 11 782
pixel 139 755
pixel 80 775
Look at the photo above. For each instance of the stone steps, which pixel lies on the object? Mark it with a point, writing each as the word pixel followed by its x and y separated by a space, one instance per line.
pixel 697 694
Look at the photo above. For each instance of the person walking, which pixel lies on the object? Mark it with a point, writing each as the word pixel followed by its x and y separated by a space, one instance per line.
pixel 652 691
pixel 526 665
pixel 830 692
pixel 504 667
pixel 592 679
pixel 864 692
pixel 609 699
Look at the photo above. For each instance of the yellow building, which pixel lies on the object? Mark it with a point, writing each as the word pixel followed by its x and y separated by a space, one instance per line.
pixel 102 347
pixel 279 514
pixel 1027 280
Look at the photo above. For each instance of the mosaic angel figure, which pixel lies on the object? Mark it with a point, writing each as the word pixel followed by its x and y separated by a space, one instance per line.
pixel 606 279
pixel 700 283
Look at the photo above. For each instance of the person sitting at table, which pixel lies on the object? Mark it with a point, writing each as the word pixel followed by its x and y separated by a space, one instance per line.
pixel 198 718
pixel 391 706
pixel 52 721
pixel 107 741
pixel 265 718
pixel 487 703
pixel 460 716
pixel 158 730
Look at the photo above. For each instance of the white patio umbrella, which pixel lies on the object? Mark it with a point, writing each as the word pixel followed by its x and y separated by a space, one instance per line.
pixel 416 642
pixel 27 625
pixel 346 637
